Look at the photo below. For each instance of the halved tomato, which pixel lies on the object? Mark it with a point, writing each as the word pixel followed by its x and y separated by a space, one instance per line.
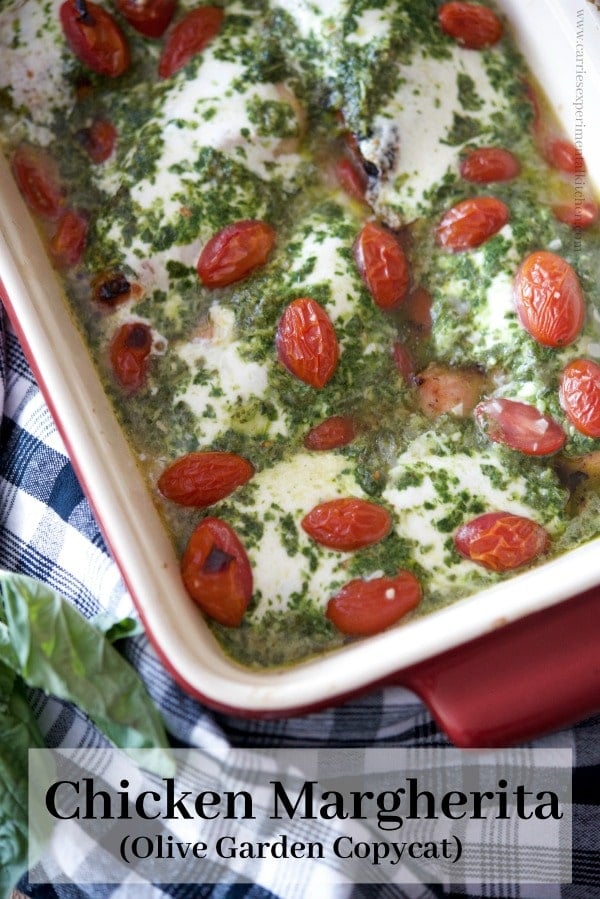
pixel 307 343
pixel 332 433
pixel 549 299
pixel 362 608
pixel 579 393
pixel 471 25
pixel 149 17
pixel 489 164
pixel 216 572
pixel 129 354
pixel 234 252
pixel 348 523
pixel 520 426
pixel 471 222
pixel 189 36
pixel 37 177
pixel 382 264
pixel 202 478
pixel 501 541
pixel 94 37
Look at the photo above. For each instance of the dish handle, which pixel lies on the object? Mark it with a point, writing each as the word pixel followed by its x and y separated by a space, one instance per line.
pixel 532 676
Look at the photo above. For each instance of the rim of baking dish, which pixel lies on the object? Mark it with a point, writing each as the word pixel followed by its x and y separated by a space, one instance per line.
pixel 122 503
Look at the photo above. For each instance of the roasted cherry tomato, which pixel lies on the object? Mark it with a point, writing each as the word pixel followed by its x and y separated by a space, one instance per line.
pixel 520 426
pixel 417 309
pixel 501 541
pixel 382 265
pixel 149 17
pixel 202 478
pixel 306 342
pixel 339 430
pixel 94 37
pixel 363 607
pixel 234 252
pixel 441 389
pixel 189 36
pixel 471 25
pixel 68 241
pixel 403 360
pixel 471 222
pixel 549 299
pixel 563 155
pixel 111 288
pixel 347 524
pixel 580 395
pixel 36 174
pixel 351 177
pixel 98 140
pixel 129 354
pixel 577 215
pixel 488 164
pixel 216 572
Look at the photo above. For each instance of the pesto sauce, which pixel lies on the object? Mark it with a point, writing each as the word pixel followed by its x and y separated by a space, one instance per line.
pixel 185 403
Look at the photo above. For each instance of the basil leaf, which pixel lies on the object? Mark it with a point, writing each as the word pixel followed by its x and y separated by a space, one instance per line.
pixel 59 651
pixel 116 628
pixel 19 731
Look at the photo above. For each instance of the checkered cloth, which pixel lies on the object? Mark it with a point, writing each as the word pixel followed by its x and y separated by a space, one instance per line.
pixel 48 532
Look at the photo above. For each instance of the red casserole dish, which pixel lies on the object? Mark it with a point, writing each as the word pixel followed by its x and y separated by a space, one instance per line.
pixel 516 660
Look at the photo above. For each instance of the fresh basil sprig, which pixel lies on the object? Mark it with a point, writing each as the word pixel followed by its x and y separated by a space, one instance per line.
pixel 46 643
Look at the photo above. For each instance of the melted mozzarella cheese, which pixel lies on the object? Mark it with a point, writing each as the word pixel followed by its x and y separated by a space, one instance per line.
pixel 292 488
pixel 225 390
pixel 425 505
pixel 409 142
pixel 32 67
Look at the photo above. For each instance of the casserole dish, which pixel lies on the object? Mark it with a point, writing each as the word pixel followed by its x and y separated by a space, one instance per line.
pixel 145 555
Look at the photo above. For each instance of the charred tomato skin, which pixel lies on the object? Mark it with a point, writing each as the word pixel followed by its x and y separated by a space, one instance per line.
pixel 216 572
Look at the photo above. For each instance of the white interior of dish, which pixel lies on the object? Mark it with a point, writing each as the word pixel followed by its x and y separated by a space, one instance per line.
pixel 548 34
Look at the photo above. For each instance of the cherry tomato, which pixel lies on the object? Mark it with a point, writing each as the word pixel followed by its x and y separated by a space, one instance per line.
pixel 216 572
pixel 382 265
pixel 94 37
pixel 520 426
pixel 202 478
pixel 549 299
pixel 577 215
pixel 580 395
pixel 563 155
pixel 338 430
pixel 351 178
pixel 189 36
pixel 471 25
pixel 403 360
pixel 347 524
pixel 441 389
pixel 488 164
pixel 234 252
pixel 417 309
pixel 111 288
pixel 362 608
pixel 471 222
pixel 36 174
pixel 149 17
pixel 501 541
pixel 98 140
pixel 306 342
pixel 129 354
pixel 68 241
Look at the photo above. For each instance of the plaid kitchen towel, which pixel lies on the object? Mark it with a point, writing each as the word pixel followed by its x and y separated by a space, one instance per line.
pixel 49 533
